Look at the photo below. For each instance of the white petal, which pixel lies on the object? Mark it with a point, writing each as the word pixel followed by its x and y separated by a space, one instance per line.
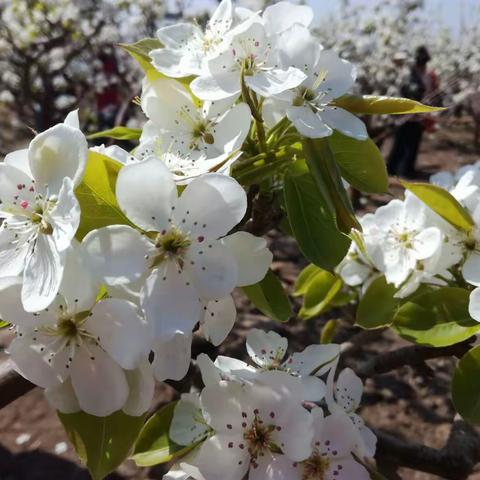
pixel 117 254
pixel 62 397
pixel 349 469
pixel 186 429
pixel 59 152
pixel 266 348
pixel 339 75
pixel 72 119
pixel 171 302
pixel 315 389
pixel 119 329
pixel 313 360
pixel 13 255
pixel 252 256
pixel 19 159
pixel 222 17
pixel 213 270
pixel 43 274
pixel 215 204
pixel 172 357
pixel 474 304
pixel 218 462
pixel 273 82
pixel 471 269
pixel 273 111
pixel 274 467
pixel 99 383
pixel 348 390
pixel 345 122
pixel 308 123
pixel 283 15
pixel 211 375
pixel 232 129
pixel 31 364
pixel 427 242
pixel 141 385
pixel 218 319
pixel 338 434
pixel 75 273
pixel 177 35
pixel 206 87
pixel 65 217
pixel 146 193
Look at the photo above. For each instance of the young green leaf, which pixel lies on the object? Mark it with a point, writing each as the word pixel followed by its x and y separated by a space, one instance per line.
pixel 102 443
pixel 270 298
pixel 154 445
pixel 118 133
pixel 321 163
pixel 466 386
pixel 96 195
pixel 377 306
pixel 311 221
pixel 361 163
pixel 3 324
pixel 443 203
pixel 320 292
pixel 304 279
pixel 379 105
pixel 328 331
pixel 436 318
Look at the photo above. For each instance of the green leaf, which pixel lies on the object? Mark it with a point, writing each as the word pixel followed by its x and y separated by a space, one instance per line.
pixel 321 163
pixel 96 195
pixel 378 305
pixel 118 133
pixel 270 298
pixel 436 318
pixel 321 290
pixel 311 221
pixel 466 386
pixel 361 163
pixel 328 331
pixel 3 324
pixel 154 445
pixel 443 203
pixel 372 104
pixel 102 443
pixel 304 279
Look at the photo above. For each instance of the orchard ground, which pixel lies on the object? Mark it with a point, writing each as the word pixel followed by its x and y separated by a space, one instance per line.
pixel 405 403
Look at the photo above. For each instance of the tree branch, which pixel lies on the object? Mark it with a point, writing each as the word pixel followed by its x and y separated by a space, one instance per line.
pixel 455 461
pixel 12 385
pixel 414 356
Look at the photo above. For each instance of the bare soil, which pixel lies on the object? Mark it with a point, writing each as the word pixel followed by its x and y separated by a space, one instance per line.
pixel 33 445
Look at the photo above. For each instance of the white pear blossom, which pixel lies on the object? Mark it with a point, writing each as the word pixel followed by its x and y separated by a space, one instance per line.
pixel 331 459
pixel 256 429
pixel 191 139
pixel 182 261
pixel 79 348
pixel 40 211
pixel 402 238
pixel 249 54
pixel 308 105
pixel 187 48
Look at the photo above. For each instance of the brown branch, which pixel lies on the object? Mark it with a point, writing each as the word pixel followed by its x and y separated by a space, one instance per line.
pixel 12 385
pixel 455 461
pixel 413 356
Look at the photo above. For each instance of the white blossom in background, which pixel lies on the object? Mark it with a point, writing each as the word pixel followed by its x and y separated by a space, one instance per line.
pixel 267 350
pixel 191 139
pixel 81 350
pixel 40 211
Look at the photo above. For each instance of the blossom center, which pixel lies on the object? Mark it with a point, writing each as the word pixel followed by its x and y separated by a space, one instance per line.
pixel 258 437
pixel 315 467
pixel 171 244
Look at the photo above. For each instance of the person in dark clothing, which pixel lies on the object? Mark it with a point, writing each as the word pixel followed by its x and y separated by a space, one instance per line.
pixel 419 84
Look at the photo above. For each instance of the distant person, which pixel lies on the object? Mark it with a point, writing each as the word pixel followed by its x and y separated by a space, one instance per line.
pixel 422 85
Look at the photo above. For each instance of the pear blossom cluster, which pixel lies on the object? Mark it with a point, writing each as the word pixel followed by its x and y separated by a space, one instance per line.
pixel 410 244
pixel 274 419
